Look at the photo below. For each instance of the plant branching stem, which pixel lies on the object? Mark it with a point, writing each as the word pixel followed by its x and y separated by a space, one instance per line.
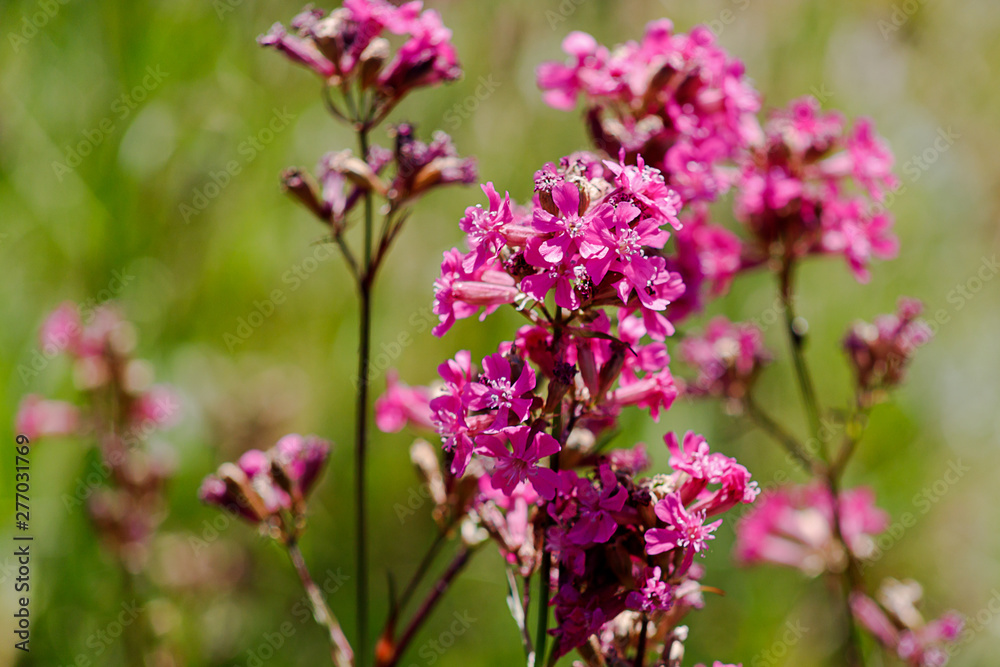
pixel 423 613
pixel 850 579
pixel 767 424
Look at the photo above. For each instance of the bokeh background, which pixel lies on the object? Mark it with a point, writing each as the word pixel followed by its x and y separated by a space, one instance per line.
pixel 217 591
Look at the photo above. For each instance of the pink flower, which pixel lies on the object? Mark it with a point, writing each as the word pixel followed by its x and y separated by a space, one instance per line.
pixel 61 330
pixel 485 229
pixel 520 463
pixel 703 468
pixel 595 522
pixel 654 595
pixel 498 389
pixel 159 407
pixel 793 526
pixel 685 530
pixel 727 357
pixel 654 392
pixel 427 58
pixel 899 626
pixel 459 293
pixel 298 50
pixel 41 418
pixel 880 352
pixel 301 458
pixel 811 188
pixel 263 484
pixel 449 415
pixel 679 101
pixel 401 404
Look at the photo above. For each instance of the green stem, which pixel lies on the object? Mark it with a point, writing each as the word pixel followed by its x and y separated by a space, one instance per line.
pixel 421 570
pixel 797 344
pixel 430 602
pixel 850 578
pixel 780 435
pixel 361 426
pixel 545 580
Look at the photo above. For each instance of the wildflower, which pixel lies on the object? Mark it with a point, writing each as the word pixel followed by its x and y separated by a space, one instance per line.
pixel 41 418
pixel 677 100
pixel 794 527
pixel 880 352
pixel 401 404
pixel 898 625
pixel 811 188
pixel 263 485
pixel 684 529
pixel 520 463
pixel 498 389
pixel 727 356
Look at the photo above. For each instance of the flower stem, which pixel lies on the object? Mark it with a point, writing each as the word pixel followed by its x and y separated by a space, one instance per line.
pixel 545 580
pixel 431 601
pixel 421 570
pixel 779 434
pixel 340 649
pixel 853 656
pixel 640 652
pixel 797 344
pixel 361 425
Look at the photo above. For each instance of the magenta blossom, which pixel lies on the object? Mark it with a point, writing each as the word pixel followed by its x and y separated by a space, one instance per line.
pixel 684 529
pixel 498 389
pixel 793 526
pixel 520 462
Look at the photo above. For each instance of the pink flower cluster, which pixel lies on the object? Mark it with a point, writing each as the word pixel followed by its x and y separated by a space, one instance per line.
pixel 806 184
pixel 678 101
pixel 899 626
pixel 100 349
pixel 100 344
pixel 812 187
pixel 591 238
pixel 628 543
pixel 348 46
pixel 262 486
pixel 880 352
pixel 793 526
pixel 727 357
pixel 623 544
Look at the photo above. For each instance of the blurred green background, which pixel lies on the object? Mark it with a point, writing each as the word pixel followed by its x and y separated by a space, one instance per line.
pixel 217 591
